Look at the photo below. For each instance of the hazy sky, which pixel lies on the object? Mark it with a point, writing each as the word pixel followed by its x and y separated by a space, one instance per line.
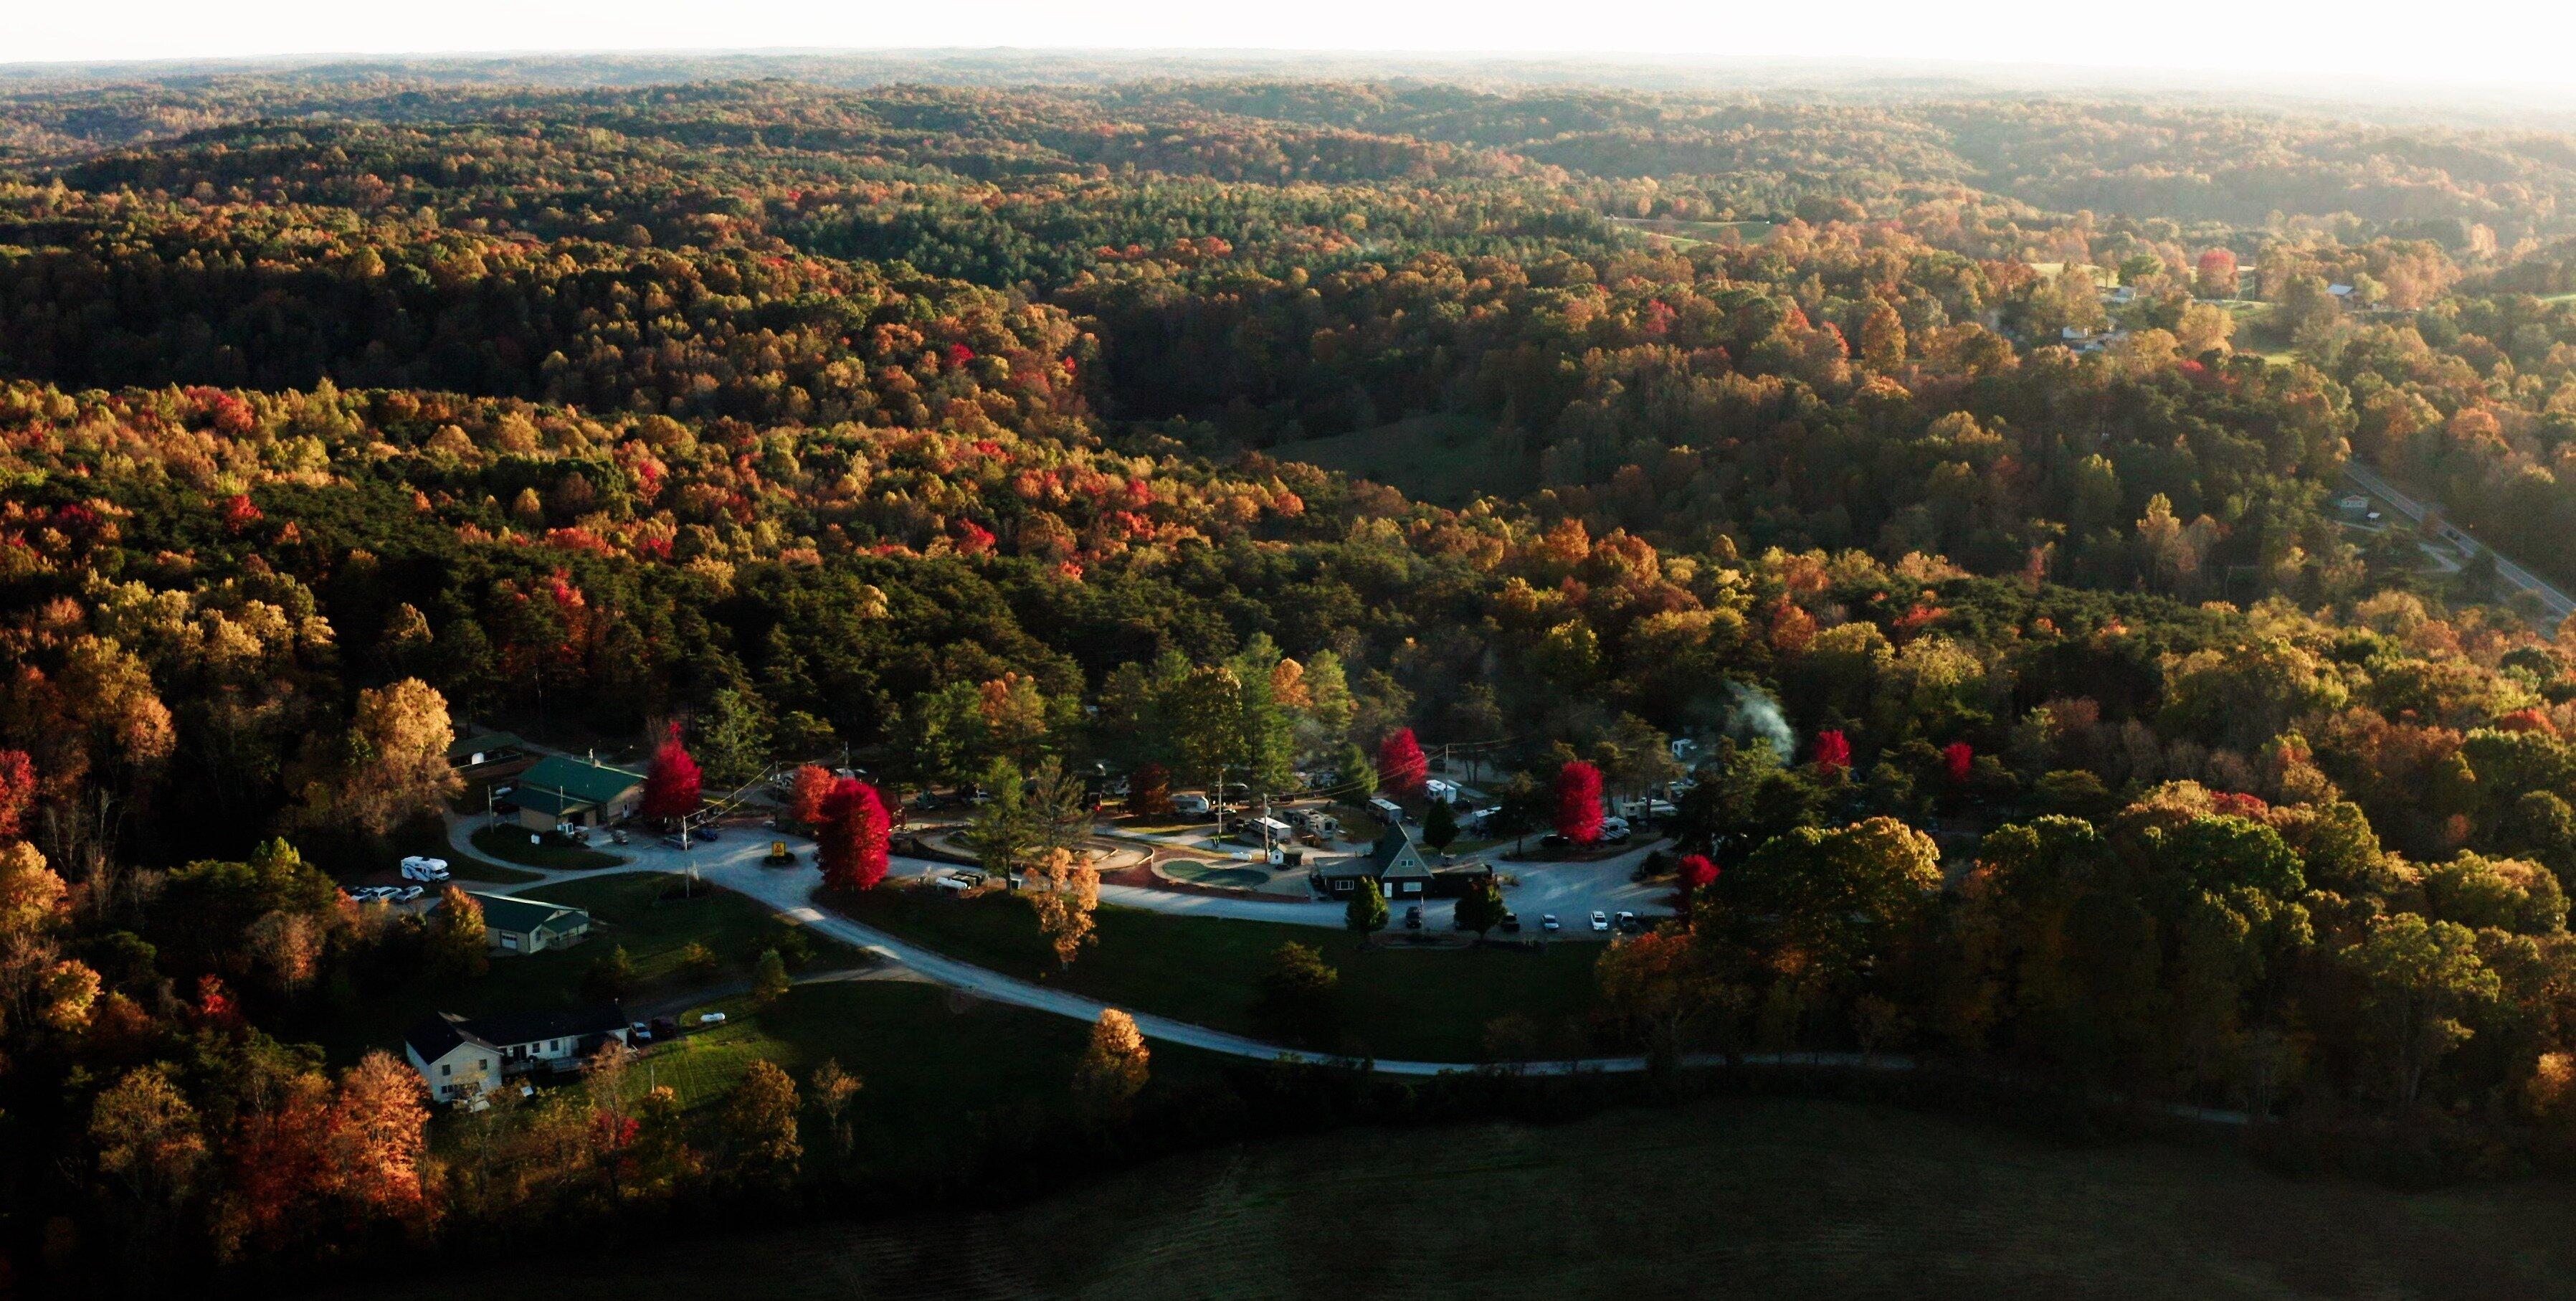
pixel 2483 44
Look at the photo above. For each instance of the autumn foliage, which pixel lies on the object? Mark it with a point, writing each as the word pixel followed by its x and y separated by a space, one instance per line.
pixel 1401 767
pixel 1833 753
pixel 1578 802
pixel 852 844
pixel 808 793
pixel 1958 762
pixel 670 780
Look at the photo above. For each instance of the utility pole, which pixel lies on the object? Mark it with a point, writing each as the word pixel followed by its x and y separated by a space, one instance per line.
pixel 1220 801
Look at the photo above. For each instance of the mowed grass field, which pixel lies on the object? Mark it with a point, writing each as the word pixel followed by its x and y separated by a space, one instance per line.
pixel 1398 1001
pixel 626 911
pixel 930 1058
pixel 1723 1198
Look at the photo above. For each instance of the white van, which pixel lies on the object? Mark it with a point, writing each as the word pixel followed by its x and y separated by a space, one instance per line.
pixel 417 868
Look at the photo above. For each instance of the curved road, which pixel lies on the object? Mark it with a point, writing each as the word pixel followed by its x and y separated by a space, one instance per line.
pixel 2558 604
pixel 734 863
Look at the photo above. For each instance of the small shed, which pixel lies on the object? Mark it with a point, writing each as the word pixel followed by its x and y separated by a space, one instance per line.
pixel 516 925
pixel 481 749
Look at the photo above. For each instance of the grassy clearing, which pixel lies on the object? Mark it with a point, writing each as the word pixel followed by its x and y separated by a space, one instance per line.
pixel 1730 1197
pixel 626 912
pixel 921 1048
pixel 1444 459
pixel 509 843
pixel 1398 1001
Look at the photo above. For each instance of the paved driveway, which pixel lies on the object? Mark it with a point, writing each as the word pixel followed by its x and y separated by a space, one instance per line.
pixel 735 864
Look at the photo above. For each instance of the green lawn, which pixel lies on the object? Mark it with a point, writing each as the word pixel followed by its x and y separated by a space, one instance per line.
pixel 1399 1001
pixel 477 871
pixel 1731 1197
pixel 626 912
pixel 923 1049
pixel 509 843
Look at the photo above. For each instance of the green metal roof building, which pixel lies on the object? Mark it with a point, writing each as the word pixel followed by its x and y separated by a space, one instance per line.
pixel 561 789
pixel 518 925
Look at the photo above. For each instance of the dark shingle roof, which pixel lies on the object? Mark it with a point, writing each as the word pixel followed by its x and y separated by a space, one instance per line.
pixel 437 1036
pixel 1390 847
pixel 528 1027
pixel 466 747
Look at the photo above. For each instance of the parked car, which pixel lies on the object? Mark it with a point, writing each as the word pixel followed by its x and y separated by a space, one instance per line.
pixel 407 893
pixel 639 1032
pixel 705 832
pixel 1614 831
pixel 1600 920
pixel 1511 923
pixel 711 1018
pixel 417 868
pixel 1628 923
pixel 664 1027
pixel 1413 918
pixel 1548 922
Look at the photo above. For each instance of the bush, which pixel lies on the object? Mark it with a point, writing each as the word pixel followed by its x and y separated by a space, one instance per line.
pixel 769 979
pixel 698 962
pixel 612 977
pixel 792 946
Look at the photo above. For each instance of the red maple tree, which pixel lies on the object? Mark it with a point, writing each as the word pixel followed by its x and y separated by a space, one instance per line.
pixel 671 780
pixel 1401 769
pixel 1578 802
pixel 1833 753
pixel 1958 759
pixel 17 791
pixel 852 842
pixel 1696 873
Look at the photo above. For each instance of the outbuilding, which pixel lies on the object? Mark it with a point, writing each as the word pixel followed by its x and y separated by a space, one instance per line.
pixel 516 925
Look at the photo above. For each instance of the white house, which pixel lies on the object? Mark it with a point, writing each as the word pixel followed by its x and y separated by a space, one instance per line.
pixel 461 1058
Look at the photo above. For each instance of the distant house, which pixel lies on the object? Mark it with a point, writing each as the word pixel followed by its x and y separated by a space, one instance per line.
pixel 2354 507
pixel 1393 862
pixel 561 789
pixel 480 749
pixel 462 1058
pixel 517 925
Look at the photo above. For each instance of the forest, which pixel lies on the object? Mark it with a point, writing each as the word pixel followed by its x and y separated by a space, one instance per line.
pixel 1961 475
